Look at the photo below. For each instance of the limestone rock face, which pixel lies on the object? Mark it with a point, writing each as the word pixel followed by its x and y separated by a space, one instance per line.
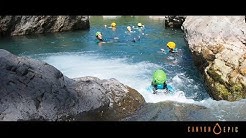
pixel 218 44
pixel 24 25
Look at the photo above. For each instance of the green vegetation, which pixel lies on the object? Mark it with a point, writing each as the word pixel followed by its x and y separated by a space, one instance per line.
pixel 215 76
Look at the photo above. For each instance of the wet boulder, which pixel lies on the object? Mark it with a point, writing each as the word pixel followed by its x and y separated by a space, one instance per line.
pixel 34 90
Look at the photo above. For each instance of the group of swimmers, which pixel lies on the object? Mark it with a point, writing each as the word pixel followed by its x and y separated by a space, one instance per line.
pixel 129 31
pixel 159 76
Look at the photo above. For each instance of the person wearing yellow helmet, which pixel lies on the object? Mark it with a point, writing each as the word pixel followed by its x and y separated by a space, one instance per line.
pixel 172 47
pixel 140 28
pixel 140 25
pixel 113 24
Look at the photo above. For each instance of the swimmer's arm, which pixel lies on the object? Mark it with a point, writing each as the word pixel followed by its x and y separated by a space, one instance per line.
pixel 175 51
pixel 163 50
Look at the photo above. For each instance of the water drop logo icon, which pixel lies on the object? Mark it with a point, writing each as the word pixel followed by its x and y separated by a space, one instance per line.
pixel 217 129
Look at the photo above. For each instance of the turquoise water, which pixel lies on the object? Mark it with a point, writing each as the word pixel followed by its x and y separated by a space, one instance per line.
pixel 78 54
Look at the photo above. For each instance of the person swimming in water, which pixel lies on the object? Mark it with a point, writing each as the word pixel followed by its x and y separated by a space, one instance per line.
pixel 134 36
pixel 99 36
pixel 112 26
pixel 140 27
pixel 100 39
pixel 159 80
pixel 129 29
pixel 171 46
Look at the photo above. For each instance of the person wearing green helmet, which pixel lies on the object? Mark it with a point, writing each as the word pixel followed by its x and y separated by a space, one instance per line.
pixel 159 80
pixel 99 36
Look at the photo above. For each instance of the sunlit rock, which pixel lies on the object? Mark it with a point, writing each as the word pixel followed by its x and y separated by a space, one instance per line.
pixel 218 44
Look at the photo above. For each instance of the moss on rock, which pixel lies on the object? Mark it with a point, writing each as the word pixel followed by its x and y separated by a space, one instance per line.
pixel 222 92
pixel 238 91
pixel 215 76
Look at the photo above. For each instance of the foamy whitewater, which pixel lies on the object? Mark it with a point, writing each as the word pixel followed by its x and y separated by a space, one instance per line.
pixel 135 75
pixel 138 76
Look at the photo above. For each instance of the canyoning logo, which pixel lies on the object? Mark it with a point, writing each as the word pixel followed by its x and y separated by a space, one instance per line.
pixel 216 129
